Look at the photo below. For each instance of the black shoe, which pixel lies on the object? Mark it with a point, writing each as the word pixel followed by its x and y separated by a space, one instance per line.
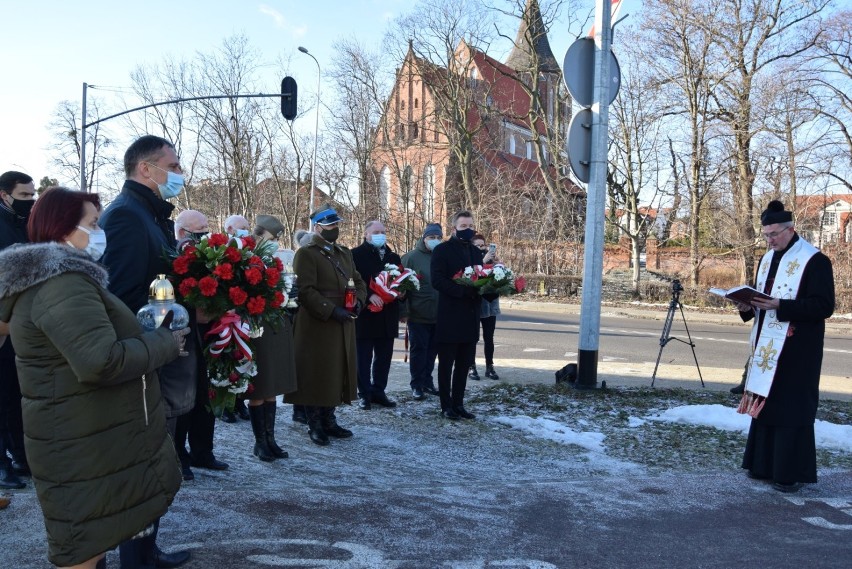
pixel 209 462
pixel 299 415
pixel 163 560
pixel 382 399
pixel 9 480
pixel 21 468
pixel 787 488
pixel 228 416
pixel 474 375
pixel 490 373
pixel 754 476
pixel 463 413
pixel 430 390
pixel 739 389
pixel 270 408
pixel 417 394
pixel 365 404
pixel 241 410
pixel 187 473
pixel 450 414
pixel 330 426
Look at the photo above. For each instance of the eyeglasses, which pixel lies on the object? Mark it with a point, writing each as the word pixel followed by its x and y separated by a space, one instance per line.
pixel 774 234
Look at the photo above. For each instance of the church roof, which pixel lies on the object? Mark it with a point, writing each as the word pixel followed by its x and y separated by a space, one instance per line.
pixel 532 31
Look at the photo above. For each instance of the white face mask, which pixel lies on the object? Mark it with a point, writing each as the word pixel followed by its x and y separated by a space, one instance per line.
pixel 241 233
pixel 431 243
pixel 97 242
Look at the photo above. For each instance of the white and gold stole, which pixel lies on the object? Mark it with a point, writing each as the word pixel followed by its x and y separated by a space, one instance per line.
pixel 766 350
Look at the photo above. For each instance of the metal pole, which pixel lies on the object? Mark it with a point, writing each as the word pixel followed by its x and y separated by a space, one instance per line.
pixel 83 142
pixel 590 311
pixel 316 135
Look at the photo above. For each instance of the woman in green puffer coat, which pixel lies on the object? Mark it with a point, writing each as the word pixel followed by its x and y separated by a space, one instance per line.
pixel 95 434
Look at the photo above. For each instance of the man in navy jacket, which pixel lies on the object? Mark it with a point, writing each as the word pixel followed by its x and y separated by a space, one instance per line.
pixel 140 240
pixel 457 328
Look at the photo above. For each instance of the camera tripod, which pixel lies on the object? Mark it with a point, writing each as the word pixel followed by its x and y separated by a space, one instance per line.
pixel 665 338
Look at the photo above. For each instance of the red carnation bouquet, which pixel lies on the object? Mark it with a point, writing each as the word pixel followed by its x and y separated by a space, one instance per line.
pixel 393 282
pixel 491 279
pixel 237 282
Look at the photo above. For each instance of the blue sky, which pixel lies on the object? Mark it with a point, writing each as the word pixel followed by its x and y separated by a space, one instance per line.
pixel 50 47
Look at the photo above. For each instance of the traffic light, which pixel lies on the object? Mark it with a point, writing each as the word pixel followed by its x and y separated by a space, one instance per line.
pixel 288 98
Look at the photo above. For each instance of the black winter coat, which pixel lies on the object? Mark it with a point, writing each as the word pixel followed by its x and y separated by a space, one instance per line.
pixel 794 395
pixel 140 240
pixel 13 229
pixel 384 324
pixel 458 306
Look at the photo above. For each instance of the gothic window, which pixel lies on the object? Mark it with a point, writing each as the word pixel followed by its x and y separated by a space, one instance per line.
pixel 384 187
pixel 429 192
pixel 403 105
pixel 414 130
pixel 415 103
pixel 406 190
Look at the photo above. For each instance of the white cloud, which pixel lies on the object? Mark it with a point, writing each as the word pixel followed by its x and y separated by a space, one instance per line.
pixel 281 21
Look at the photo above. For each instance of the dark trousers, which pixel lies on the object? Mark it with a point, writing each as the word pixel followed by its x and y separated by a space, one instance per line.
pixel 422 349
pixel 197 426
pixel 139 553
pixel 374 354
pixel 488 326
pixel 454 361
pixel 11 423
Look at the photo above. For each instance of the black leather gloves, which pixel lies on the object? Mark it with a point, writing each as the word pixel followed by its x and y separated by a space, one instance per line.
pixel 342 315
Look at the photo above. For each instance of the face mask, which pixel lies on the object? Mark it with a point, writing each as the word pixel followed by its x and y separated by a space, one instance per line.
pixel 378 239
pixel 431 243
pixel 172 187
pixel 22 208
pixel 241 233
pixel 330 235
pixel 465 234
pixel 197 235
pixel 97 242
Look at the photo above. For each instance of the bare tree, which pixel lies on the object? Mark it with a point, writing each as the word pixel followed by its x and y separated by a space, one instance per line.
pixel 65 146
pixel 752 37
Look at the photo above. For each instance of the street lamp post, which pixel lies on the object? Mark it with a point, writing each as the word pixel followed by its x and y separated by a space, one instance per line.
pixel 316 135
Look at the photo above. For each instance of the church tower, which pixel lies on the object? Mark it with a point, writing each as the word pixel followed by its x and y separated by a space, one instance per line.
pixel 531 54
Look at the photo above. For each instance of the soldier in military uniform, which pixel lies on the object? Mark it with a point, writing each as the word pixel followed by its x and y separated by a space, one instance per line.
pixel 325 329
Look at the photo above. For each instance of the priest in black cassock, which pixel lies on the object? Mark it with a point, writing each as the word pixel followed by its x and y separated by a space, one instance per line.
pixel 782 389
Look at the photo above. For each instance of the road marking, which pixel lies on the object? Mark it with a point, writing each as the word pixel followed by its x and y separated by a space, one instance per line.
pixel 535 349
pixel 841 505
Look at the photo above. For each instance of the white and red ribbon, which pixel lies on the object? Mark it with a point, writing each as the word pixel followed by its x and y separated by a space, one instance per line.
pixel 230 328
pixel 385 286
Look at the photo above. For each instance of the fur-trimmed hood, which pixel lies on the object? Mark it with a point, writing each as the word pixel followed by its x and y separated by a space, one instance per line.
pixel 24 266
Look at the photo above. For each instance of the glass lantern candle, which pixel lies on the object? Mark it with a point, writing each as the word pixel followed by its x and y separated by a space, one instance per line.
pixel 161 300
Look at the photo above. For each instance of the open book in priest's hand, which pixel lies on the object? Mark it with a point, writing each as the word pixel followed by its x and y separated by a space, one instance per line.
pixel 744 294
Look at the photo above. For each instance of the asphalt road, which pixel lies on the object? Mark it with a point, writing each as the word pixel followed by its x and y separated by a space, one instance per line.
pixel 525 334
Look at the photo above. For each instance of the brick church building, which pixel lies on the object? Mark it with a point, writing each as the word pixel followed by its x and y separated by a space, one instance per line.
pixel 478 134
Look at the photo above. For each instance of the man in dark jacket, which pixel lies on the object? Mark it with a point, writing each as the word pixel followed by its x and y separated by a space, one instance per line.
pixel 420 311
pixel 457 326
pixel 376 328
pixel 140 240
pixel 199 424
pixel 17 196
pixel 782 388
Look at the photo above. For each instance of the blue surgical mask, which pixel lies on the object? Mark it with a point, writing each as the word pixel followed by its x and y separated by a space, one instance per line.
pixel 97 242
pixel 241 233
pixel 378 239
pixel 173 186
pixel 431 243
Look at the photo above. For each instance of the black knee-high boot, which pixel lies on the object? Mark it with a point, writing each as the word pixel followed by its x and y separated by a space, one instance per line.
pixel 257 414
pixel 269 410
